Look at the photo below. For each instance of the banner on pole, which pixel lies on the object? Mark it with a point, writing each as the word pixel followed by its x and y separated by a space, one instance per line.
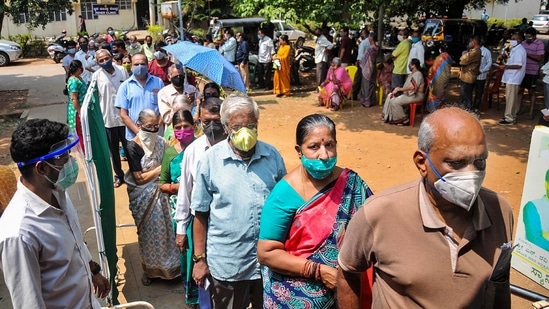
pixel 531 255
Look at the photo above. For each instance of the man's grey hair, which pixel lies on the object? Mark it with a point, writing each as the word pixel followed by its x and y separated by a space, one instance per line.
pixel 102 51
pixel 176 66
pixel 146 114
pixel 425 136
pixel 235 103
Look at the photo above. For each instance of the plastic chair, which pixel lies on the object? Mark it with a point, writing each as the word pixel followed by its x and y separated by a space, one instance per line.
pixel 493 84
pixel 351 70
pixel 413 107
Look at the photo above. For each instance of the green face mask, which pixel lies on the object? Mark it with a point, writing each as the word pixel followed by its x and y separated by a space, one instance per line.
pixel 319 169
pixel 244 139
pixel 67 174
pixel 127 66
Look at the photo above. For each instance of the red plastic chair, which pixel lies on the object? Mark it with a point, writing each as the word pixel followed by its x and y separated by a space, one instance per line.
pixel 493 84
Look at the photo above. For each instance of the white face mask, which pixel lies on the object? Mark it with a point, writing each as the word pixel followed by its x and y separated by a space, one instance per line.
pixel 148 140
pixel 513 43
pixel 400 38
pixel 459 188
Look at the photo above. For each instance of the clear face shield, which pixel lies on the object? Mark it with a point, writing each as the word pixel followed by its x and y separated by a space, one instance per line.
pixel 58 150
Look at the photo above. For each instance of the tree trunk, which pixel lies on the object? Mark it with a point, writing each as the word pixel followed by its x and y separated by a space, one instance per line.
pixel 380 33
pixel 455 9
pixel 1 22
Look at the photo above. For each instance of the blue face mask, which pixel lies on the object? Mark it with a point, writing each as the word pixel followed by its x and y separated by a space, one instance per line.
pixel 259 37
pixel 319 169
pixel 415 40
pixel 107 65
pixel 139 70
pixel 71 51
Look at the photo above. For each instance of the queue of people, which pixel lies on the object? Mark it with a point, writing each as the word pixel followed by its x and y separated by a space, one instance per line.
pixel 215 205
pixel 249 233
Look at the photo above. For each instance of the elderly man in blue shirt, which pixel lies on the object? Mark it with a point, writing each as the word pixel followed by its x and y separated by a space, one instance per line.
pixel 233 179
pixel 137 93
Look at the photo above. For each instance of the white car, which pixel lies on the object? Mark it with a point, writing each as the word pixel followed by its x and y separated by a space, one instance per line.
pixel 9 51
pixel 283 27
pixel 541 23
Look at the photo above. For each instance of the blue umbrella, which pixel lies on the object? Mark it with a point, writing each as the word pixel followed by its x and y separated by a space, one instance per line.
pixel 208 62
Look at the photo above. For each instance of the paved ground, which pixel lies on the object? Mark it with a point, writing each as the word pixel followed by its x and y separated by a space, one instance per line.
pixel 378 152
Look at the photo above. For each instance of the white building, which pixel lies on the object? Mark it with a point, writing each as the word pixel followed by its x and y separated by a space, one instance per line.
pixel 130 15
pixel 510 10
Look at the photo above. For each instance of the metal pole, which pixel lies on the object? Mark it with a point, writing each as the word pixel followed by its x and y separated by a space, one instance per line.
pixel 181 34
pixel 527 294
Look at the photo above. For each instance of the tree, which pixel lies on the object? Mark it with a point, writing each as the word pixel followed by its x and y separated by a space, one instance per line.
pixel 38 12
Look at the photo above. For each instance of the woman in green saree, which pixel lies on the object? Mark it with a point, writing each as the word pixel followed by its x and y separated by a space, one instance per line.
pixel 183 135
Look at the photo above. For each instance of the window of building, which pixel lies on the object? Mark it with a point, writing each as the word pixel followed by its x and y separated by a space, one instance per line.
pixel 58 16
pixel 86 9
pixel 124 4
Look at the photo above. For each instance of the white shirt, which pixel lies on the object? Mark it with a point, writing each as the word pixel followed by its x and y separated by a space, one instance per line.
pixel 229 49
pixel 86 75
pixel 166 98
pixel 545 70
pixel 266 50
pixel 362 47
pixel 417 51
pixel 485 63
pixel 107 88
pixel 516 57
pixel 322 44
pixel 42 253
pixel 193 154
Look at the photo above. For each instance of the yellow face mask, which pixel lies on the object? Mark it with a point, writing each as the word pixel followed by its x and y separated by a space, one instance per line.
pixel 127 66
pixel 244 139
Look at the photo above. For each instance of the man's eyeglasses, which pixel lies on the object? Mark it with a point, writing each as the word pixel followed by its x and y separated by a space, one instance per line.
pixel 251 126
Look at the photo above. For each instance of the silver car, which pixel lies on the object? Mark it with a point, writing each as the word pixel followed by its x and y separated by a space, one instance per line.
pixel 541 23
pixel 9 51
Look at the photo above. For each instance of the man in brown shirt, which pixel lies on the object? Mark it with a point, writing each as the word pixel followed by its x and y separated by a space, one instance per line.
pixel 470 69
pixel 433 242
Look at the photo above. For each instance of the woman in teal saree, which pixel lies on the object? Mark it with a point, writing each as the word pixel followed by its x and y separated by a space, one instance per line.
pixel 304 219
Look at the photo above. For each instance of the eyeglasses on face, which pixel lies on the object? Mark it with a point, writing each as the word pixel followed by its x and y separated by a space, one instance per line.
pixel 251 126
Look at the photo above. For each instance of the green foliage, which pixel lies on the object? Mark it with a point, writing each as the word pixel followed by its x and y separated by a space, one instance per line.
pixel 83 33
pixel 155 31
pixel 31 46
pixel 38 12
pixel 497 22
pixel 511 23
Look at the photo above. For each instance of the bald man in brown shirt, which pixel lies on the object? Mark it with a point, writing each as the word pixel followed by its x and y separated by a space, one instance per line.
pixel 433 242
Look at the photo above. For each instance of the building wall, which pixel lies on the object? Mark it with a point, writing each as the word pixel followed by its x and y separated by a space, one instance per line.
pixel 520 9
pixel 125 20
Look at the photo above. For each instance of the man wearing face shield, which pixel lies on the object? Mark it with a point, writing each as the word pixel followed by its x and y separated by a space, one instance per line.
pixel 42 254
pixel 433 242
pixel 159 67
pixel 233 179
pixel 177 86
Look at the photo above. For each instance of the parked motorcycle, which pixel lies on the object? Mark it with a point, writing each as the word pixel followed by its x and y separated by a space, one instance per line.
pixel 58 49
pixel 305 58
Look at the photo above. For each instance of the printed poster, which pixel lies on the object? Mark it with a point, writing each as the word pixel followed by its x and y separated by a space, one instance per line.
pixel 531 255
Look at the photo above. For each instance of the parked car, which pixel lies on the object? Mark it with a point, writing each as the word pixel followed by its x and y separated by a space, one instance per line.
pixel 282 27
pixel 541 23
pixel 9 51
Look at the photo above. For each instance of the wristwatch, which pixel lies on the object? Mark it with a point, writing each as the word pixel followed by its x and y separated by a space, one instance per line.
pixel 199 257
pixel 96 268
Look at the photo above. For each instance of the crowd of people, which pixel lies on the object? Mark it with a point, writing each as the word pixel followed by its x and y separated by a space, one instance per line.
pixel 215 205
pixel 519 57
